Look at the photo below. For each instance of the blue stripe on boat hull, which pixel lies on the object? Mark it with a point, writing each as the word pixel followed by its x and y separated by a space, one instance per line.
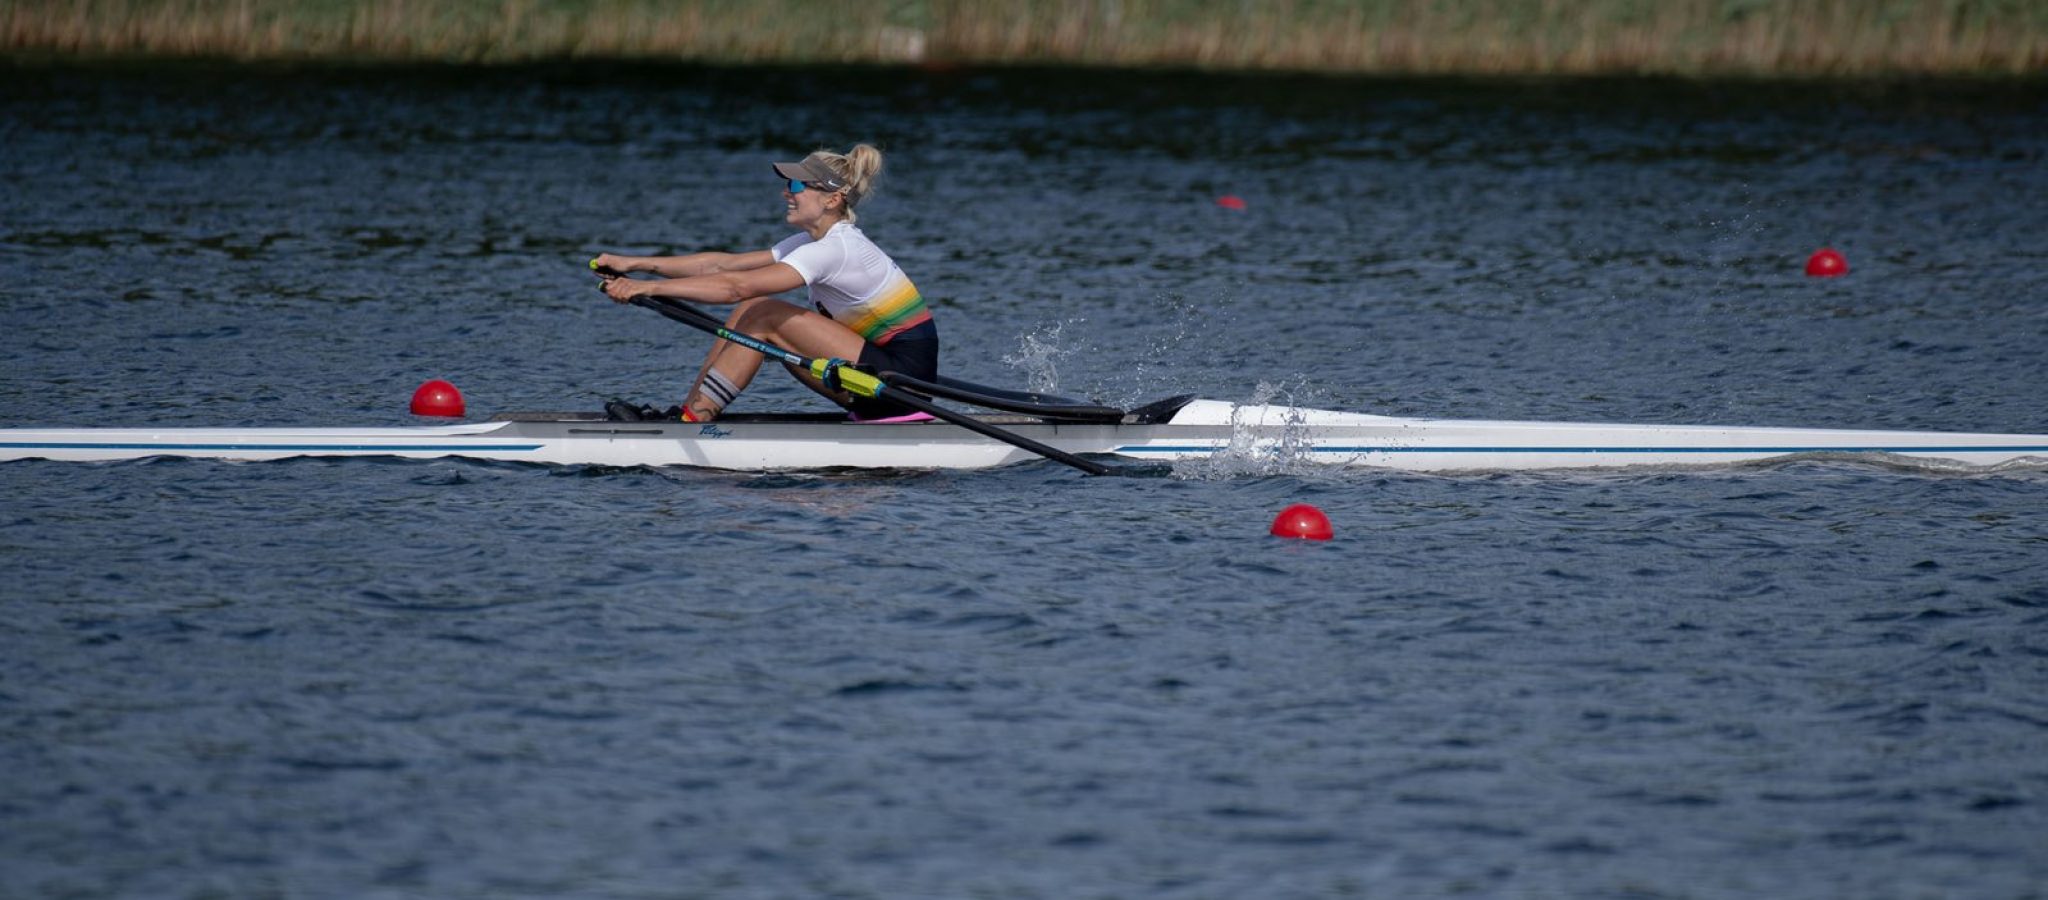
pixel 1771 450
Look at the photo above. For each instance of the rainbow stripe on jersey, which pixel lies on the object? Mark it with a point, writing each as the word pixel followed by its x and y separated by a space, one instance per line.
pixel 896 308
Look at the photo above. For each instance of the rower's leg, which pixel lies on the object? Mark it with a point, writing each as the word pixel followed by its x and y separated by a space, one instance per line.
pixel 730 368
pixel 727 370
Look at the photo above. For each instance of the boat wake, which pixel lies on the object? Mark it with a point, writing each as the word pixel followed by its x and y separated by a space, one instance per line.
pixel 1872 462
pixel 1894 462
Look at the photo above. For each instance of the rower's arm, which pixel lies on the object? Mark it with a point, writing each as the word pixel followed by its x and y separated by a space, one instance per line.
pixel 694 264
pixel 718 287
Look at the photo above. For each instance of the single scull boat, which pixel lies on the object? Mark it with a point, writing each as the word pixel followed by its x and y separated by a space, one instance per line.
pixel 1172 430
pixel 1060 429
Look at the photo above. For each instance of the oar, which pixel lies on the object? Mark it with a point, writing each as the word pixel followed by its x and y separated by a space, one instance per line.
pixel 837 373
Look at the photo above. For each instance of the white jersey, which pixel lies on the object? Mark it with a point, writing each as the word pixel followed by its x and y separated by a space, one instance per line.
pixel 854 282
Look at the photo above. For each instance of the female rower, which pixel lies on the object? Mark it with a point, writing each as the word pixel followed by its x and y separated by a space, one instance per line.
pixel 864 308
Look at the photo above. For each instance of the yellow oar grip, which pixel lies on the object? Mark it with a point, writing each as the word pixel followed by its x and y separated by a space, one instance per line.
pixel 853 380
pixel 860 382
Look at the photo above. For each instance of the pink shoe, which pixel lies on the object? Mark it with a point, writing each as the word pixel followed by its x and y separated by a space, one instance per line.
pixel 904 419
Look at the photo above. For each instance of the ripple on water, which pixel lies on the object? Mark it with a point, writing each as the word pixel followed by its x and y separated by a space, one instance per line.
pixel 1811 676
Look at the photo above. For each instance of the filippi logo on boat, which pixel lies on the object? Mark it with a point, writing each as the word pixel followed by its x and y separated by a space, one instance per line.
pixel 712 430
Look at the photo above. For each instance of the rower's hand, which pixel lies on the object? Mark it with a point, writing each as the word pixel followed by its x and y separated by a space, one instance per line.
pixel 609 264
pixel 622 290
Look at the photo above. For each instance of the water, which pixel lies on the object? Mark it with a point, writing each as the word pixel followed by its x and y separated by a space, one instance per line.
pixel 1820 678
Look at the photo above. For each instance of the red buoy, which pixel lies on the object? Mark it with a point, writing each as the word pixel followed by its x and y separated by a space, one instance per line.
pixel 1826 263
pixel 437 398
pixel 1303 521
pixel 1230 201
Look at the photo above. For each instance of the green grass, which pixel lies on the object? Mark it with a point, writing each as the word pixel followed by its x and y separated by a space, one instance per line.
pixel 1700 37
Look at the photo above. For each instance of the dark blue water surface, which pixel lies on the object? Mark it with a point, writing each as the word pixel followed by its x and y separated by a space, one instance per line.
pixel 364 678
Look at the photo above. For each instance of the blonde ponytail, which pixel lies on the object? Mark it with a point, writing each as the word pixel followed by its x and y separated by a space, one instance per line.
pixel 860 167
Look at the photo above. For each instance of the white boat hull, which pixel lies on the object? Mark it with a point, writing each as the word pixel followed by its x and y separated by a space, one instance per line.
pixel 1202 429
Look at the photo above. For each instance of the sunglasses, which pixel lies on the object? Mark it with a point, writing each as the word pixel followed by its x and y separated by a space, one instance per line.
pixel 798 187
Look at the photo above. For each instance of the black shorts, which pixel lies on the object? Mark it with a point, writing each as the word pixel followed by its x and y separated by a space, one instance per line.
pixel 914 353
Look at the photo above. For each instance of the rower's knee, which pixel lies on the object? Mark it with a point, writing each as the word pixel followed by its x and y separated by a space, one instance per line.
pixel 739 313
pixel 759 316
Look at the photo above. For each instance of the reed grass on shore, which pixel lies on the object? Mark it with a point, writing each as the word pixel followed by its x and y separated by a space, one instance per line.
pixel 1510 37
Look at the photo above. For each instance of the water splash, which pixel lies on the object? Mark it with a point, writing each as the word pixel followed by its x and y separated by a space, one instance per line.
pixel 1039 353
pixel 1252 451
pixel 1184 319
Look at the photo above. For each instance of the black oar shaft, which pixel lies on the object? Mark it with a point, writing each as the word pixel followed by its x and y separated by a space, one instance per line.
pixel 697 318
pixel 899 395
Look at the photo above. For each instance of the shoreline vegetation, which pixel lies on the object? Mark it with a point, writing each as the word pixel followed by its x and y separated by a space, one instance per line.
pixel 1392 37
